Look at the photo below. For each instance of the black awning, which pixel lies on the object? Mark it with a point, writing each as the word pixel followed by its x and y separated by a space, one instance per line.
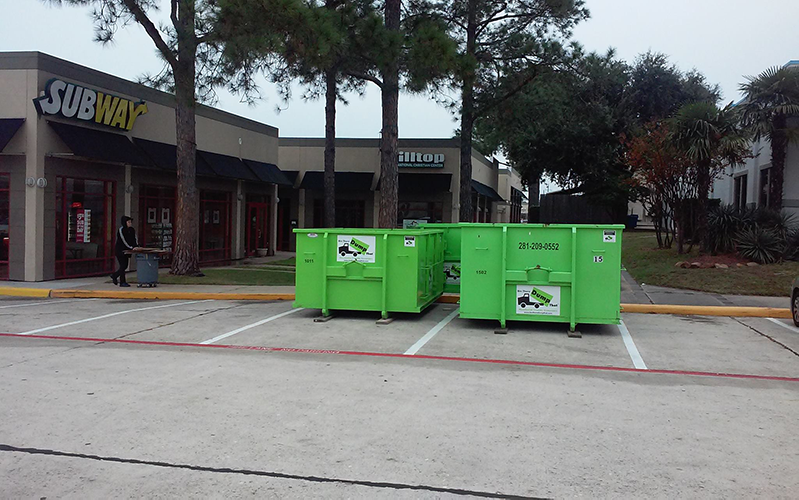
pixel 165 156
pixel 513 189
pixel 9 127
pixel 100 145
pixel 345 181
pixel 228 166
pixel 291 175
pixel 486 191
pixel 268 172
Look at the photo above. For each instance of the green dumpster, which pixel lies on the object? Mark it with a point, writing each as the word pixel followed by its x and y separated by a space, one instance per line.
pixel 539 272
pixel 452 254
pixel 386 270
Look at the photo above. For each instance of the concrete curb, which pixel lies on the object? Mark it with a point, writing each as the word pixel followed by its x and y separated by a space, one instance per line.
pixel 738 312
pixel 13 291
pixel 753 312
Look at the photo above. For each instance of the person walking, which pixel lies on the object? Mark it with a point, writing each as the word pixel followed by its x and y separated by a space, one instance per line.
pixel 126 240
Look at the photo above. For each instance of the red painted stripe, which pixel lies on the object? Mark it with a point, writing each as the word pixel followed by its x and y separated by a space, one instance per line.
pixel 418 356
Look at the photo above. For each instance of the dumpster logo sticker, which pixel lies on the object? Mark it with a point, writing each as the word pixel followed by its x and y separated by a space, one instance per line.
pixel 538 300
pixel 452 270
pixel 355 248
pixel 609 236
pixel 410 241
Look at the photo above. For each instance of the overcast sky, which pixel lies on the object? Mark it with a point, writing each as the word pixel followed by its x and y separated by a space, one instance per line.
pixel 724 39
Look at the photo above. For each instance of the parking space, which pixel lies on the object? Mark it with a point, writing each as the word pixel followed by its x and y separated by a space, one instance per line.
pixel 448 422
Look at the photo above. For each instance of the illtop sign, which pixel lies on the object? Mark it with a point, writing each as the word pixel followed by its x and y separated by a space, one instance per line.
pixel 409 159
pixel 73 101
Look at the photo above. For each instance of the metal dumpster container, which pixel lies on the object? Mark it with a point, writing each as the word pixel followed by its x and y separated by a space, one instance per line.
pixel 452 254
pixel 536 272
pixel 386 270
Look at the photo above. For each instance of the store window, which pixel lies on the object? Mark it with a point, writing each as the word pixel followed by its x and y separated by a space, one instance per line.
pixel 85 226
pixel 5 210
pixel 432 211
pixel 215 211
pixel 349 213
pixel 157 214
pixel 739 192
pixel 765 187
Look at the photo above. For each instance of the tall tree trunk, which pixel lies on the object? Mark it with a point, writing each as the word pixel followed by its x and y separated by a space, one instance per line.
pixel 186 258
pixel 700 226
pixel 467 116
pixel 330 148
pixel 779 147
pixel 389 139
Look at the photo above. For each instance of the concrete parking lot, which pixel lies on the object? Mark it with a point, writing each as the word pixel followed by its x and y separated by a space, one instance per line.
pixel 124 398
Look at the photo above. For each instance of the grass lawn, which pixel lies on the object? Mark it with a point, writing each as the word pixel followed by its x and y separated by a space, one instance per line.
pixel 653 266
pixel 232 277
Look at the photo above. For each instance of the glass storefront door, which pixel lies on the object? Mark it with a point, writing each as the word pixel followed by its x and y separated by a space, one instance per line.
pixel 85 227
pixel 257 227
pixel 5 210
pixel 215 210
pixel 157 219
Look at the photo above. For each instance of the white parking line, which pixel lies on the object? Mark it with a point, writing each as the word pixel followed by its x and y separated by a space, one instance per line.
pixel 243 328
pixel 638 361
pixel 784 325
pixel 44 303
pixel 109 316
pixel 432 333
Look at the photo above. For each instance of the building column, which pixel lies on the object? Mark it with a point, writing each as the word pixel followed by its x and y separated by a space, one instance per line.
pixel 376 212
pixel 35 197
pixel 300 208
pixel 238 225
pixel 128 190
pixel 273 220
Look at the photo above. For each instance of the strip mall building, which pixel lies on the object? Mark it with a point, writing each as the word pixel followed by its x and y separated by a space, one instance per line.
pixel 80 148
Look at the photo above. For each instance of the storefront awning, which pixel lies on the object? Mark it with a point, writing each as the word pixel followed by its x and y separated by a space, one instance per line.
pixel 9 127
pixel 267 172
pixel 345 181
pixel 486 191
pixel 228 166
pixel 165 156
pixel 100 145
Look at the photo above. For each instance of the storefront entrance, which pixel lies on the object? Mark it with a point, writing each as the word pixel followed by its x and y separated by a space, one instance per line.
pixel 85 227
pixel 157 219
pixel 5 209
pixel 215 237
pixel 257 228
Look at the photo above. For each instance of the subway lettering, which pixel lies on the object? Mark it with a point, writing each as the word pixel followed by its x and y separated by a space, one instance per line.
pixel 73 101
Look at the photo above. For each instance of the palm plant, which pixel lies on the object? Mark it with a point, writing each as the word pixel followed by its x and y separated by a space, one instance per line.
pixel 711 138
pixel 770 99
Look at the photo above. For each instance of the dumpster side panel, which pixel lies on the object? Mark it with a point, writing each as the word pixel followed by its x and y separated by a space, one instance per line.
pixel 481 272
pixel 452 254
pixel 309 278
pixel 598 272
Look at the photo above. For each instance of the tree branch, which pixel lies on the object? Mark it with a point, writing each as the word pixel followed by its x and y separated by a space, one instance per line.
pixel 152 31
pixel 365 76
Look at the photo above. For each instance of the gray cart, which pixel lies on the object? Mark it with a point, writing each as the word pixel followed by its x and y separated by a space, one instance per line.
pixel 147 269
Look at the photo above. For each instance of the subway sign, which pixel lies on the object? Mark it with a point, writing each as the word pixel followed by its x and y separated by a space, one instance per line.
pixel 73 101
pixel 410 159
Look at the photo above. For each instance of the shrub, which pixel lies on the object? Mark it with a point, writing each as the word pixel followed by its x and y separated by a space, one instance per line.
pixel 760 244
pixel 792 246
pixel 724 222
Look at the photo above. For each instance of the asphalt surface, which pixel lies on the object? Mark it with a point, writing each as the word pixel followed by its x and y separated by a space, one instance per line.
pixel 129 399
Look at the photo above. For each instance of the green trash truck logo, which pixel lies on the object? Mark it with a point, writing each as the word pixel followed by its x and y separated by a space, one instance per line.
pixel 355 248
pixel 538 300
pixel 452 272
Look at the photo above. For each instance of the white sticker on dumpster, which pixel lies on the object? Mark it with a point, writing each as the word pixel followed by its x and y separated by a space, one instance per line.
pixel 538 300
pixel 410 241
pixel 609 236
pixel 452 271
pixel 355 248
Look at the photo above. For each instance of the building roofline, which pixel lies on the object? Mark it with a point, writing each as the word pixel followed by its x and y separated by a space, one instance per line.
pixel 45 62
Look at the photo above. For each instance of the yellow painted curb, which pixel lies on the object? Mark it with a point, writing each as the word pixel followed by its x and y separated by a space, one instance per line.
pixel 153 295
pixel 752 312
pixel 13 291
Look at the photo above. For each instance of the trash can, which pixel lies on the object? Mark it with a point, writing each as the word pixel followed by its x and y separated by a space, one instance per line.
pixel 147 269
pixel 452 254
pixel 541 272
pixel 386 270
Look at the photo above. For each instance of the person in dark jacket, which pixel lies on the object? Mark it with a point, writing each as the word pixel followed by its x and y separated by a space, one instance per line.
pixel 126 240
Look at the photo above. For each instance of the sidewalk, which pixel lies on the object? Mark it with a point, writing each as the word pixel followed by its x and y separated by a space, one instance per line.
pixel 633 293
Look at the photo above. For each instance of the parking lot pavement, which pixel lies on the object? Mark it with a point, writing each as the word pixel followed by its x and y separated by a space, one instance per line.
pixel 711 344
pixel 89 419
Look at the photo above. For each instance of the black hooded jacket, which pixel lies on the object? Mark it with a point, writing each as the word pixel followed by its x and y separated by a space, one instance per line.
pixel 126 237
